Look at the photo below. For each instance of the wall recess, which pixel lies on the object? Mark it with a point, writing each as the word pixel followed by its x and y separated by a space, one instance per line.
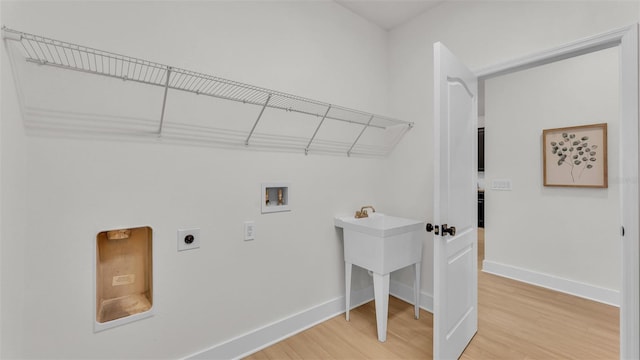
pixel 276 197
pixel 124 290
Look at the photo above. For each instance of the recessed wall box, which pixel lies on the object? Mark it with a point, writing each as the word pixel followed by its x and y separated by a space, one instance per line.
pixel 276 197
pixel 124 278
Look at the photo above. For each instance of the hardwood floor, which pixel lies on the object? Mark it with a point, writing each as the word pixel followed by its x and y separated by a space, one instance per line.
pixel 515 321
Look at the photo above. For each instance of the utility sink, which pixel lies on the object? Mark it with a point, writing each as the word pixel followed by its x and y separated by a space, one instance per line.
pixel 381 244
pixel 379 225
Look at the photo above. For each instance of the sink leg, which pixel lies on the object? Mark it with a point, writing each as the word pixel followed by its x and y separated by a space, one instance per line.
pixel 416 291
pixel 381 289
pixel 347 282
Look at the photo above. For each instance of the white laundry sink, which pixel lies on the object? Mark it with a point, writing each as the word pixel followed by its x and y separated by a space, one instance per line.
pixel 382 244
pixel 379 225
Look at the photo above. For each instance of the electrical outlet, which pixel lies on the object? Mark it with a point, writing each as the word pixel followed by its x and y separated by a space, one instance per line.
pixel 501 184
pixel 188 239
pixel 249 230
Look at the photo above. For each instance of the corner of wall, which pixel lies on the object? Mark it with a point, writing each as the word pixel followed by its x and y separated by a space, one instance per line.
pixel 12 213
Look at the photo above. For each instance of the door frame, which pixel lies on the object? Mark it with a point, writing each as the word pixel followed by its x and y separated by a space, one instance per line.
pixel 626 39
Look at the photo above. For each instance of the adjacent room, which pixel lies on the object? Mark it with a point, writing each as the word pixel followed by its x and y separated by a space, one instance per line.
pixel 273 180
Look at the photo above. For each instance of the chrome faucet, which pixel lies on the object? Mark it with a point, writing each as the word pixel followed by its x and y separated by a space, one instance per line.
pixel 362 213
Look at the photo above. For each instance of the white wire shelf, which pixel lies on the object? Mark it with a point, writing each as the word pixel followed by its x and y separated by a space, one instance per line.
pixel 65 55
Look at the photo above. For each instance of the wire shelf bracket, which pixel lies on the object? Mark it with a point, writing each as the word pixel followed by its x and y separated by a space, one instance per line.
pixel 359 135
pixel 306 149
pixel 60 54
pixel 266 103
pixel 164 101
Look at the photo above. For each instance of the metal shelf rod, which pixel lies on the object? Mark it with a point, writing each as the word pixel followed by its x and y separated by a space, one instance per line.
pixel 306 150
pixel 358 138
pixel 257 120
pixel 126 78
pixel 174 87
pixel 164 100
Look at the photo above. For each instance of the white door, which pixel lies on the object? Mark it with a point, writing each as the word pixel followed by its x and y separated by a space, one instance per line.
pixel 455 206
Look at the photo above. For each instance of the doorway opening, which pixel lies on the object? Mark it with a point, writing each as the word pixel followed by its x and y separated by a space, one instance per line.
pixel 625 42
pixel 554 236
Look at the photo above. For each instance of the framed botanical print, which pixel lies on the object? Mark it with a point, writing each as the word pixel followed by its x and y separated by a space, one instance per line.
pixel 575 156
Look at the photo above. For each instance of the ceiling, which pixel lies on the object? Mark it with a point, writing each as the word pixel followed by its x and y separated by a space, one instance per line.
pixel 389 13
pixel 392 13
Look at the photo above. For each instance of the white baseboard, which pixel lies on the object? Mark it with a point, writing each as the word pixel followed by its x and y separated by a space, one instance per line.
pixel 267 335
pixel 270 334
pixel 405 292
pixel 587 291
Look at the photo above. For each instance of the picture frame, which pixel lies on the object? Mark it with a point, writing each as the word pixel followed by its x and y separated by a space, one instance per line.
pixel 575 156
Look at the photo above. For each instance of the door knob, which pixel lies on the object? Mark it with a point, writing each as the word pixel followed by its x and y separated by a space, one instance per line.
pixel 450 230
pixel 431 228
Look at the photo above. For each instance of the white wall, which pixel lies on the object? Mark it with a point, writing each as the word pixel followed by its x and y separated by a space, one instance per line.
pixel 12 217
pixel 58 191
pixel 566 232
pixel 481 34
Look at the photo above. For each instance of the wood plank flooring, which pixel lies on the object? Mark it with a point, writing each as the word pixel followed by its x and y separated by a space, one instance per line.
pixel 515 321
